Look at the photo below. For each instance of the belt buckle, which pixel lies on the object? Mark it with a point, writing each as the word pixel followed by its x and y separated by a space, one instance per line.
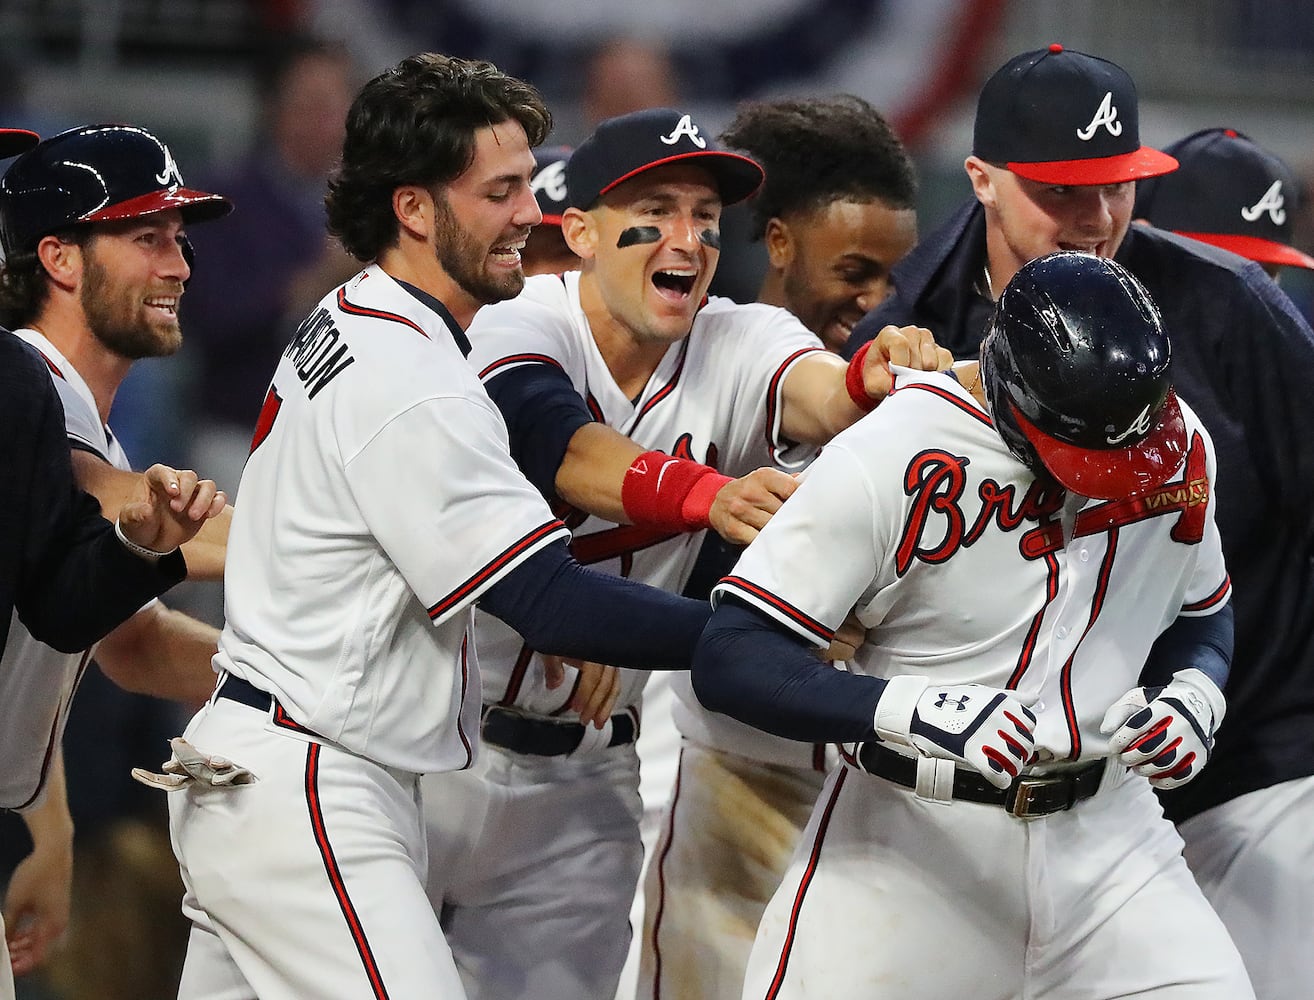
pixel 1029 797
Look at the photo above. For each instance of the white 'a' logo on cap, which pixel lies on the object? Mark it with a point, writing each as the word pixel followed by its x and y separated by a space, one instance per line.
pixel 1273 203
pixel 1107 115
pixel 1140 427
pixel 685 126
pixel 551 180
pixel 170 176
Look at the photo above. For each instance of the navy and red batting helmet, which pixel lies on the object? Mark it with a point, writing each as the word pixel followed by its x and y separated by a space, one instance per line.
pixel 94 173
pixel 1075 368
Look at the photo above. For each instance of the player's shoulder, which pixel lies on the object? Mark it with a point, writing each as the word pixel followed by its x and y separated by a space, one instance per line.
pixel 725 326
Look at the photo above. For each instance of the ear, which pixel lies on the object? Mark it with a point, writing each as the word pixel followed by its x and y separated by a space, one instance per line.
pixel 779 242
pixel 414 207
pixel 981 174
pixel 62 261
pixel 580 230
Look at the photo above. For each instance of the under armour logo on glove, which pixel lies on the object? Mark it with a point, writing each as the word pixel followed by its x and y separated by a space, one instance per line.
pixel 985 728
pixel 188 765
pixel 1166 734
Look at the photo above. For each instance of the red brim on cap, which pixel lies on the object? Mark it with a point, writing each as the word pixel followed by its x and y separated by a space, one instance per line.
pixel 1114 473
pixel 1255 248
pixel 1136 165
pixel 737 177
pixel 16 140
pixel 551 220
pixel 196 206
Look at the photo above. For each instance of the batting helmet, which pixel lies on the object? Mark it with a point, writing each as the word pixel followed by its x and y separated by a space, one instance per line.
pixel 95 173
pixel 1075 368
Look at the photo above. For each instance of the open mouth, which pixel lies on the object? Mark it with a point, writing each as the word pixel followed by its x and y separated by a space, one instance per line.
pixel 1090 248
pixel 166 304
pixel 509 253
pixel 675 284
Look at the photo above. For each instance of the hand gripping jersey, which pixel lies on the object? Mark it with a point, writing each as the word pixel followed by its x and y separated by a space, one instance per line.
pixel 379 502
pixel 966 570
pixel 36 681
pixel 715 398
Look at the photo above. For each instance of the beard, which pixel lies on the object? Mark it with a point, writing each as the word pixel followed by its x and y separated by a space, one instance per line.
pixel 462 257
pixel 119 319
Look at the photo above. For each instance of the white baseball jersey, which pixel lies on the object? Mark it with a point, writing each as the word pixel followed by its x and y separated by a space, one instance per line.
pixel 715 398
pixel 380 500
pixel 36 681
pixel 1059 601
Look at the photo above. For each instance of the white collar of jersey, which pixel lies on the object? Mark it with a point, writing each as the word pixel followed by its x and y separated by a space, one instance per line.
pixel 55 359
pixel 371 287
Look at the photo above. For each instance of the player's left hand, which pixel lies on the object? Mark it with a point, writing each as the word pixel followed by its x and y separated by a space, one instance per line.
pixel 168 508
pixel 743 506
pixel 1167 733
pixel 37 905
pixel 909 346
pixel 596 689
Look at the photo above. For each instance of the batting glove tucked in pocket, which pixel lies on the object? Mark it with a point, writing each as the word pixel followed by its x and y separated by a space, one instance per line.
pixel 1166 733
pixel 985 728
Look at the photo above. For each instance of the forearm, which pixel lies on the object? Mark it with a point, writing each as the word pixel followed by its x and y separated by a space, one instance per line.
pixel 163 653
pixel 816 403
pixel 1204 643
pixel 746 667
pixel 561 607
pixel 206 553
pixel 49 823
pixel 593 470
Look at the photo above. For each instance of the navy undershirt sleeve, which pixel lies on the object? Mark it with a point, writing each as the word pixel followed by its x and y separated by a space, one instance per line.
pixel 561 607
pixel 1204 643
pixel 542 411
pixel 750 667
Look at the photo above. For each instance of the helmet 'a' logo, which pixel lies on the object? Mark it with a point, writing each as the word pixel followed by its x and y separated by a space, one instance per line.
pixel 1106 115
pixel 170 175
pixel 685 126
pixel 551 180
pixel 1139 427
pixel 1273 203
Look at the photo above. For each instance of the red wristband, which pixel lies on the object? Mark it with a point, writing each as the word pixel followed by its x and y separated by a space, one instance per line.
pixel 671 494
pixel 853 381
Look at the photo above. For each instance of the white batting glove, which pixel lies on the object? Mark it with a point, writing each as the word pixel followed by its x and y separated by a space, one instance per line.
pixel 1167 733
pixel 188 765
pixel 985 728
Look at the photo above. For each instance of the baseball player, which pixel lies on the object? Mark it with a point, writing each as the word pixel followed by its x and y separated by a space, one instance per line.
pixel 95 261
pixel 546 251
pixel 1039 186
pixel 992 833
pixel 1247 828
pixel 633 401
pixel 836 212
pixel 379 504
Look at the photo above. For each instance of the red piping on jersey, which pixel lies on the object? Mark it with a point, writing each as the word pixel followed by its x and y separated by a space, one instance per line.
pixel 1096 606
pixel 773 393
pixel 813 858
pixel 611 543
pixel 465 685
pixel 517 677
pixel 519 359
pixel 1220 595
pixel 52 366
pixel 595 408
pixel 498 562
pixel 316 809
pixel 785 608
pixel 351 309
pixel 661 881
pixel 665 390
pixel 1029 644
pixel 972 411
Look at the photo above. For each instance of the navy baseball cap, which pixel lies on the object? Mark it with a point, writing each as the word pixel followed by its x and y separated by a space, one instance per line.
pixel 1230 192
pixel 628 145
pixel 549 182
pixel 16 140
pixel 1057 116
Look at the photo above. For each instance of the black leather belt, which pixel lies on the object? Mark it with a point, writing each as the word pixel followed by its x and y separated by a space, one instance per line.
pixel 1028 795
pixel 236 689
pixel 524 734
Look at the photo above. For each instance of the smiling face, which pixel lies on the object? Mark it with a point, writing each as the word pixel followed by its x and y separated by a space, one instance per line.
pixel 483 218
pixel 834 262
pixel 651 250
pixel 1027 219
pixel 132 280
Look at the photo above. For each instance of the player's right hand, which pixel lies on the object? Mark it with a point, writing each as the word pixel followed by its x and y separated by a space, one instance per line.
pixel 597 687
pixel 909 346
pixel 986 728
pixel 743 506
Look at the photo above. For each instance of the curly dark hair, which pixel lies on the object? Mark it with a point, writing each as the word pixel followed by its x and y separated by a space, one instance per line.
pixel 416 124
pixel 816 151
pixel 23 285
